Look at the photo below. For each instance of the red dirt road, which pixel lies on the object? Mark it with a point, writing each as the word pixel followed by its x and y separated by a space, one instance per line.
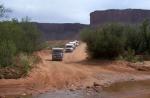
pixel 74 72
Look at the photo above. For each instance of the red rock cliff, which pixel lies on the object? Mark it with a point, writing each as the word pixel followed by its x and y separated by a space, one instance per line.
pixel 128 16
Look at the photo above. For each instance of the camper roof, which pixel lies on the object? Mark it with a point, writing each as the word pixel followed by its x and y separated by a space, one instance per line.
pixel 57 48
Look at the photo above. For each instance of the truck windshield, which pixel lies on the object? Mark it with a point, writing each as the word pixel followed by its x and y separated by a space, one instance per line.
pixel 57 51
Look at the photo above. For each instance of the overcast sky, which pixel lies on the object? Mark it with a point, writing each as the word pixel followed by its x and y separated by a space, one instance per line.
pixel 67 11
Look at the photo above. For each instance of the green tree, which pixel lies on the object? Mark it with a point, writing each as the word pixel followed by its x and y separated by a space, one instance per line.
pixel 7 52
pixel 31 37
pixel 3 11
pixel 145 37
pixel 104 42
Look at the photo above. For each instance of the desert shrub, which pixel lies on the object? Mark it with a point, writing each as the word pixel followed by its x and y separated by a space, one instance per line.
pixel 7 52
pixel 104 42
pixel 26 62
pixel 130 56
pixel 144 37
pixel 23 63
pixel 15 38
pixel 31 37
pixel 138 38
pixel 132 38
pixel 113 40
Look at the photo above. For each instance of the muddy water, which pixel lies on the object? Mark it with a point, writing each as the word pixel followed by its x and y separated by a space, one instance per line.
pixel 130 89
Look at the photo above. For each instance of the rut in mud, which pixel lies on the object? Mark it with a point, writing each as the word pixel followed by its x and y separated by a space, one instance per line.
pixel 48 74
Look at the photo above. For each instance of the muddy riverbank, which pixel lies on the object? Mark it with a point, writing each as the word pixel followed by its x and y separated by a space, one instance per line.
pixel 130 89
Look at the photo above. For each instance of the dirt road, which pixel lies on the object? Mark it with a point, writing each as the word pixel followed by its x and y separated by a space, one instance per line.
pixel 73 73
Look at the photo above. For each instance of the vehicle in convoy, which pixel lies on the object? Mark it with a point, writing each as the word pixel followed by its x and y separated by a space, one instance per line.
pixel 77 42
pixel 57 54
pixel 73 43
pixel 69 47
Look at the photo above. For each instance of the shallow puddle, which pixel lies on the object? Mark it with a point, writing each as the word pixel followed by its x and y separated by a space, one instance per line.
pixel 132 89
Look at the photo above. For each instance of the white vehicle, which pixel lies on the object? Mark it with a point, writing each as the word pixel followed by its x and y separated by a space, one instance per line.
pixel 74 43
pixel 69 47
pixel 57 54
pixel 77 42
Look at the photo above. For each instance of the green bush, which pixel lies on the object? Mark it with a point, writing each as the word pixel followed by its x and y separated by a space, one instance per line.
pixel 15 38
pixel 132 38
pixel 130 56
pixel 138 38
pixel 145 37
pixel 31 37
pixel 7 52
pixel 23 64
pixel 104 42
pixel 113 40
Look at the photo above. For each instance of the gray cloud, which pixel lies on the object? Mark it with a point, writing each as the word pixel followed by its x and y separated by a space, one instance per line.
pixel 62 11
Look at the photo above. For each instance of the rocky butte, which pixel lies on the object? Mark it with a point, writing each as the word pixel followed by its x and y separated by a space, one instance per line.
pixel 126 16
pixel 70 31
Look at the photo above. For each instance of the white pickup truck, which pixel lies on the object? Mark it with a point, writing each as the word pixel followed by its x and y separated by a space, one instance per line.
pixel 74 44
pixel 69 47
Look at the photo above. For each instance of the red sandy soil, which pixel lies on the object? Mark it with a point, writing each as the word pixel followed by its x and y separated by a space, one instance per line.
pixel 75 71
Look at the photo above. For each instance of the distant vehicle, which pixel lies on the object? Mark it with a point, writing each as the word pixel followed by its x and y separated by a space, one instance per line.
pixel 69 47
pixel 77 42
pixel 57 54
pixel 73 43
